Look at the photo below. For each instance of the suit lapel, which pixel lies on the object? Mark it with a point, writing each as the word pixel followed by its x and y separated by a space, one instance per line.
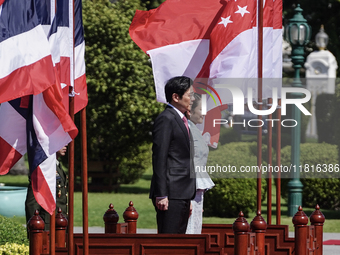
pixel 180 122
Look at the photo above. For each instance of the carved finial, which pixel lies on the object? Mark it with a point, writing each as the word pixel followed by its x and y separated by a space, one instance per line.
pixel 300 218
pixel 241 225
pixel 317 217
pixel 60 220
pixel 111 216
pixel 130 213
pixel 36 223
pixel 258 224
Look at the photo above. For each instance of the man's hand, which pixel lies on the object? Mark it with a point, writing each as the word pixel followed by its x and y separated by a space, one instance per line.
pixel 162 203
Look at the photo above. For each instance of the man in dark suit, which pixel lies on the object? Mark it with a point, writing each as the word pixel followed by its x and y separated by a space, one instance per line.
pixel 173 182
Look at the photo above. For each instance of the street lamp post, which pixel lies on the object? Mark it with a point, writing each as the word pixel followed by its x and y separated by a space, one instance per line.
pixel 298 35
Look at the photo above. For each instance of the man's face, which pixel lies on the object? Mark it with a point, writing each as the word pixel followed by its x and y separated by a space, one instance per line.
pixel 184 103
pixel 61 152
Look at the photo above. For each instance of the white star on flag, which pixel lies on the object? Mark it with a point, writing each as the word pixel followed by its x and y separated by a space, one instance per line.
pixel 225 21
pixel 242 10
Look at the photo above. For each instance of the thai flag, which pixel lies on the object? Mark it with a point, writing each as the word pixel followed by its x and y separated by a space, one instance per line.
pixel 68 53
pixel 25 57
pixel 212 40
pixel 80 86
pixel 36 124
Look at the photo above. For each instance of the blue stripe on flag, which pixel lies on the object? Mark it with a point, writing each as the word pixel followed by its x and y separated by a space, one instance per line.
pixel 44 11
pixel 35 152
pixel 24 19
pixel 78 21
pixel 61 17
pixel 16 105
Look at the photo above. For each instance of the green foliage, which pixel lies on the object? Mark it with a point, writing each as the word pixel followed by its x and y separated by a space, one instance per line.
pixel 14 249
pixel 12 232
pixel 232 195
pixel 322 189
pixel 324 106
pixel 151 4
pixel 228 135
pixel 122 100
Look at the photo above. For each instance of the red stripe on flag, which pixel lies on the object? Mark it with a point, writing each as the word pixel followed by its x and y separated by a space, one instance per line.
pixel 53 99
pixel 32 79
pixel 66 98
pixel 24 102
pixel 42 191
pixel 175 22
pixel 277 20
pixel 8 156
pixel 2 1
pixel 65 70
pixel 80 88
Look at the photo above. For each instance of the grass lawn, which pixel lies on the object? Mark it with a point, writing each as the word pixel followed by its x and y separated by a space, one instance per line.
pixel 98 203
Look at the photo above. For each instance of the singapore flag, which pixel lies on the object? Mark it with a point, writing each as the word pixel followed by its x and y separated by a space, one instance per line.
pixel 210 40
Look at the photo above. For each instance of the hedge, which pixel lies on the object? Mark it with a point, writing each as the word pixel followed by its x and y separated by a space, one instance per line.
pixel 323 190
pixel 12 232
pixel 324 118
pixel 231 194
pixel 14 249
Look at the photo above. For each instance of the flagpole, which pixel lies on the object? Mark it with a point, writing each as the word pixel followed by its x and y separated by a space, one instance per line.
pixel 83 150
pixel 259 91
pixel 71 184
pixel 84 180
pixel 52 217
pixel 278 163
pixel 52 234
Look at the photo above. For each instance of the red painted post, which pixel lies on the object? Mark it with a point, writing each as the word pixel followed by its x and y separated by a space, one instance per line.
pixel 36 227
pixel 60 229
pixel 259 226
pixel 241 230
pixel 317 219
pixel 300 221
pixel 110 218
pixel 130 217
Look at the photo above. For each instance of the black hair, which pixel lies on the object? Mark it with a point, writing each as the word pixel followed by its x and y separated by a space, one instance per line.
pixel 178 85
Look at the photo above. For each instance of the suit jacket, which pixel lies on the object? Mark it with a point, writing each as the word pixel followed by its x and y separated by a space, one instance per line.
pixel 172 158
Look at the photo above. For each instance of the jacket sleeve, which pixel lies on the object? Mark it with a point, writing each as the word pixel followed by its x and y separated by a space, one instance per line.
pixel 162 136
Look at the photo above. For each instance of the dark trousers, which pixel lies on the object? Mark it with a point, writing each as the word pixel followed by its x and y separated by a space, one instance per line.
pixel 175 219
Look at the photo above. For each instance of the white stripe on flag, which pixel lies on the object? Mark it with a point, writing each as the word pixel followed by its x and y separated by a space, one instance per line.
pixel 13 128
pixel 184 58
pixel 79 53
pixel 23 49
pixel 59 42
pixel 48 169
pixel 49 131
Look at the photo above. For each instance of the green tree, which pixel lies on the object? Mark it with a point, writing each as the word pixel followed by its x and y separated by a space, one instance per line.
pixel 122 101
pixel 151 4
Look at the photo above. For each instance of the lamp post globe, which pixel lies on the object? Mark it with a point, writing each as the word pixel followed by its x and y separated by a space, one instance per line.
pixel 298 33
